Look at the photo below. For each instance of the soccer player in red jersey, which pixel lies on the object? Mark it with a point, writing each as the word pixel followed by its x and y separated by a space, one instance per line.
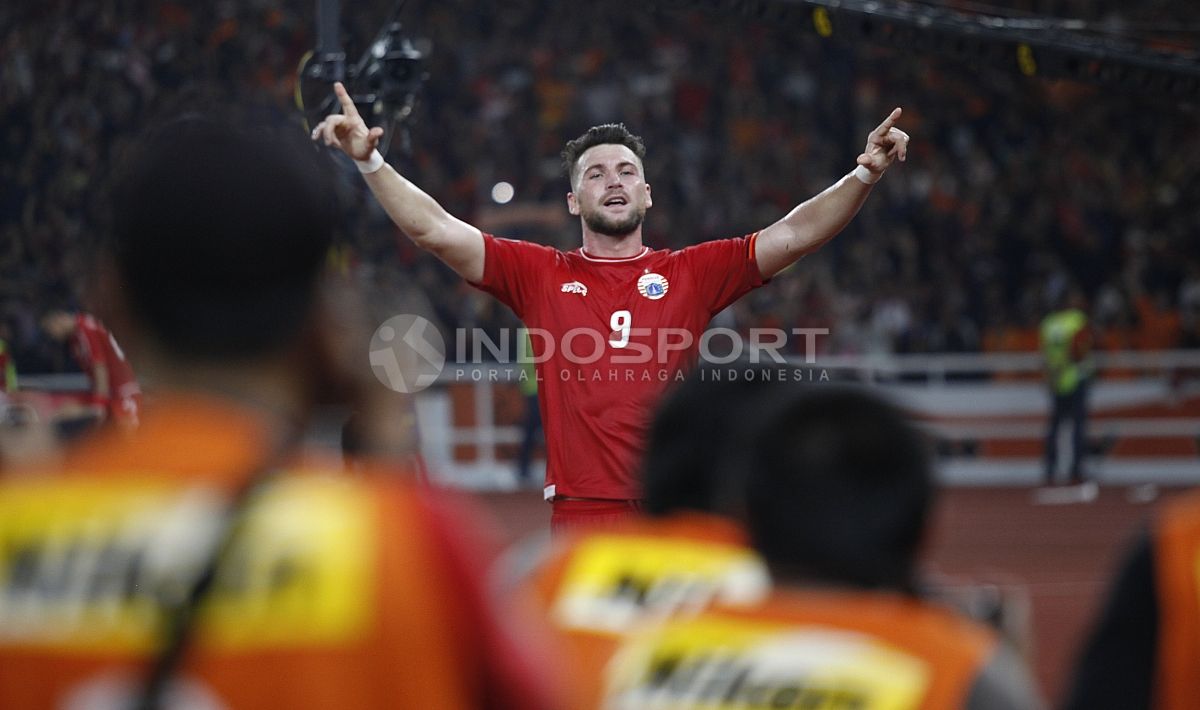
pixel 115 392
pixel 613 322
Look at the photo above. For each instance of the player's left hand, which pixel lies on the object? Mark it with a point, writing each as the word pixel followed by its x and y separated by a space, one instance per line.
pixel 885 145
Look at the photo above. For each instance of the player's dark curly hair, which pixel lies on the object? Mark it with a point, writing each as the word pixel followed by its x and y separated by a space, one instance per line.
pixel 608 133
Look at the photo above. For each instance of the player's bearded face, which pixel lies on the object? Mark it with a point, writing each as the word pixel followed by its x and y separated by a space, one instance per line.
pixel 601 220
pixel 611 194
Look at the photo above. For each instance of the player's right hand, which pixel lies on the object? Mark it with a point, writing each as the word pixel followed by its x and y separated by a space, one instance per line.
pixel 348 131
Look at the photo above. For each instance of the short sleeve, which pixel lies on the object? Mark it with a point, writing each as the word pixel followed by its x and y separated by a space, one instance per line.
pixel 724 269
pixel 513 270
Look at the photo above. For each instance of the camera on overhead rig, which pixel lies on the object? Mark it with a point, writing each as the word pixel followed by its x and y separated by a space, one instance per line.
pixel 395 71
pixel 384 83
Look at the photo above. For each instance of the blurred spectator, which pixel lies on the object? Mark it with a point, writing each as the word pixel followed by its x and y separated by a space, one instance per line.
pixel 199 561
pixel 1141 652
pixel 740 117
pixel 8 366
pixel 531 422
pixel 115 393
pixel 839 495
pixel 1066 342
pixel 689 551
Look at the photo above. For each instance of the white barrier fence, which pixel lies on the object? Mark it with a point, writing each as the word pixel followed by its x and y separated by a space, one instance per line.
pixel 961 399
pixel 987 410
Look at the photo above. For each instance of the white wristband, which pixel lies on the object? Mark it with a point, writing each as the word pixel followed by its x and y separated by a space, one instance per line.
pixel 370 165
pixel 866 176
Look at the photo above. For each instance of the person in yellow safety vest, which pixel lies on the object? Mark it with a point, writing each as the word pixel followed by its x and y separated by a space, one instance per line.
pixel 8 370
pixel 1066 343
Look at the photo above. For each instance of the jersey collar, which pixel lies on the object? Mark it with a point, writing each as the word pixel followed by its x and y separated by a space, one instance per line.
pixel 614 259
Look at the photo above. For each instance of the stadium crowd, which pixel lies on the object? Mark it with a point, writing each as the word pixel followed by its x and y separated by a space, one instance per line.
pixel 1018 191
pixel 1018 185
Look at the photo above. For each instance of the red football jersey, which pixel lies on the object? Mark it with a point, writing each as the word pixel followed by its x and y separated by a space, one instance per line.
pixel 94 346
pixel 608 336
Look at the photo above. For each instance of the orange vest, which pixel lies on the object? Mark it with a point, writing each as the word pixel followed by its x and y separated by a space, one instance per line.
pixel 1177 561
pixel 597 587
pixel 346 592
pixel 805 649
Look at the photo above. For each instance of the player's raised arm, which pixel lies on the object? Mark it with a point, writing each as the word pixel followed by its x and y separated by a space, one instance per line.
pixel 812 223
pixel 430 226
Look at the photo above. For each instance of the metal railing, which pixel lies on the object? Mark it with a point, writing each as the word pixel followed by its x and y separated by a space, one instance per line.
pixel 966 397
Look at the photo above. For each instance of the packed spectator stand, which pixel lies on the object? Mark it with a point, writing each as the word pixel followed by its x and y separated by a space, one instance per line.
pixel 1016 185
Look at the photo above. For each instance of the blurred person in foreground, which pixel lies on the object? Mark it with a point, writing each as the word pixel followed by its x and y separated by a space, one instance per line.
pixel 1066 344
pixel 200 562
pixel 687 551
pixel 839 495
pixel 1144 647
pixel 643 310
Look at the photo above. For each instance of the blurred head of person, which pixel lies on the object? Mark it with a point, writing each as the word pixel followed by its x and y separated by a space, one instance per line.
pixel 839 490
pixel 58 324
pixel 1068 294
pixel 219 234
pixel 696 428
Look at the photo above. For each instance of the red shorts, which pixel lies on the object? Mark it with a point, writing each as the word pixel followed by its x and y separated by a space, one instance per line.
pixel 576 514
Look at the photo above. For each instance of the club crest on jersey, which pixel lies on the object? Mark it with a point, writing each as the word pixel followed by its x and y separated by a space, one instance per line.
pixel 574 287
pixel 652 286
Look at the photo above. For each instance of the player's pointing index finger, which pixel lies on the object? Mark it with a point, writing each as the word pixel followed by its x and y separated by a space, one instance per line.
pixel 348 107
pixel 888 122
